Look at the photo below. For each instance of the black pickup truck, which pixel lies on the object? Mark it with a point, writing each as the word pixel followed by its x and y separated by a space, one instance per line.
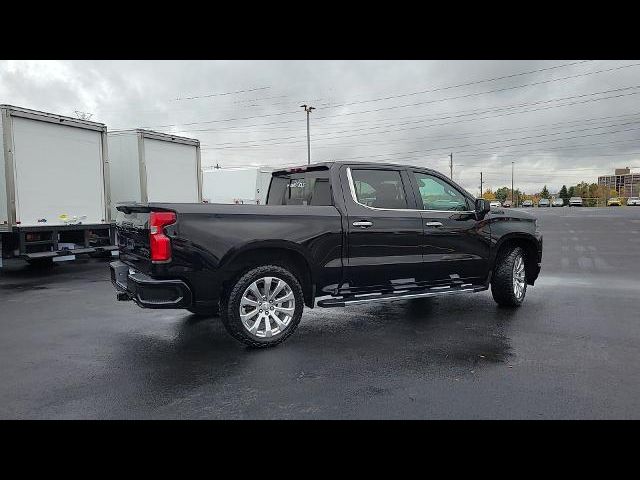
pixel 330 235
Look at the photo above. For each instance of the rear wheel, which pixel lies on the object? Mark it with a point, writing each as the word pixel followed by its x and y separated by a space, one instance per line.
pixel 509 282
pixel 264 306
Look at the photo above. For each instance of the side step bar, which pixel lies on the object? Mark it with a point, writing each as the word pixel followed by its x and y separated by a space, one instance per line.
pixel 398 295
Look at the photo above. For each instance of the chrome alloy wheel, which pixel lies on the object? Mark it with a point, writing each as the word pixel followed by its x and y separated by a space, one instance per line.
pixel 267 307
pixel 519 280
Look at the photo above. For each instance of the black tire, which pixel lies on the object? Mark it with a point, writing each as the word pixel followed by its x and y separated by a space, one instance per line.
pixel 502 285
pixel 230 306
pixel 205 311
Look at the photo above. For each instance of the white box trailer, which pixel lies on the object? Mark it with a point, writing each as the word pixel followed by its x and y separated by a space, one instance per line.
pixel 54 185
pixel 236 185
pixel 148 166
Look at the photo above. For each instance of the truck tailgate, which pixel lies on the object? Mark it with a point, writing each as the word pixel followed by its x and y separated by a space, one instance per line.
pixel 132 228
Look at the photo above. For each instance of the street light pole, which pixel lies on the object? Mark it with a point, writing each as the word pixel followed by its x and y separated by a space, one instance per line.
pixel 512 184
pixel 308 110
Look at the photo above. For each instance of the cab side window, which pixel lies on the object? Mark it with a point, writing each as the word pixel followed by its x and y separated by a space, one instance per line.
pixel 437 194
pixel 379 188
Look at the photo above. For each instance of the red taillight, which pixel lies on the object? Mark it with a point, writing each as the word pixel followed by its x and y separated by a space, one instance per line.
pixel 159 243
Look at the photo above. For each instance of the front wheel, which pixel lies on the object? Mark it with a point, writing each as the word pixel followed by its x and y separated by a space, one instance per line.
pixel 264 306
pixel 509 282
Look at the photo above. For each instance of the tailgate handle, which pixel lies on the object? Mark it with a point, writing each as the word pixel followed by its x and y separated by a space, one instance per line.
pixel 363 224
pixel 433 224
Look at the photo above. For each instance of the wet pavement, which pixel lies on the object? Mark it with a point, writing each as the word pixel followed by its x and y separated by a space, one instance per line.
pixel 69 350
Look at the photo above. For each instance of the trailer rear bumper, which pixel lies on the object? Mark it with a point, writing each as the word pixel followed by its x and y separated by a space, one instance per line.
pixel 64 253
pixel 41 242
pixel 146 291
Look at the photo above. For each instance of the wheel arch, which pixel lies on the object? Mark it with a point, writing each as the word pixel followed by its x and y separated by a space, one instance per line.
pixel 279 252
pixel 528 243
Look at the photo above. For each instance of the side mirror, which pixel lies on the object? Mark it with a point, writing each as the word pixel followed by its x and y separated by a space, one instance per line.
pixel 482 207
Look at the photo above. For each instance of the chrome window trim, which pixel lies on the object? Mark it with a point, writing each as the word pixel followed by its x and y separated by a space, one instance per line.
pixel 355 199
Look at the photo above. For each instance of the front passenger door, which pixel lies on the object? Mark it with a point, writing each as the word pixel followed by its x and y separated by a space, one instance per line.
pixel 454 243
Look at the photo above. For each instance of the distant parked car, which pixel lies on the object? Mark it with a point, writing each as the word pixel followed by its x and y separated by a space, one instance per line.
pixel 507 204
pixel 527 203
pixel 614 202
pixel 495 203
pixel 575 202
pixel 633 201
pixel 557 202
pixel 544 202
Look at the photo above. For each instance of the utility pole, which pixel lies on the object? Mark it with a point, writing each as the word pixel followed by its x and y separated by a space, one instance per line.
pixel 481 191
pixel 308 110
pixel 512 184
pixel 451 166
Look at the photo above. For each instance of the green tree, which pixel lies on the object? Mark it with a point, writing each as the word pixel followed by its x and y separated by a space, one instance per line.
pixel 545 192
pixel 502 193
pixel 581 190
pixel 571 192
pixel 564 195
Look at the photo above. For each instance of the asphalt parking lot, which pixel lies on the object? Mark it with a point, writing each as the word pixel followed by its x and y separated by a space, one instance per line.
pixel 69 350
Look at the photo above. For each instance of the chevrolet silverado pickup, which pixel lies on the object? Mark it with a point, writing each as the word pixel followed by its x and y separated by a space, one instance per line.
pixel 330 235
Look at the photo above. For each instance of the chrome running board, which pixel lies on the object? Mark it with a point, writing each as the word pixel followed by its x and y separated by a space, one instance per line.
pixel 398 295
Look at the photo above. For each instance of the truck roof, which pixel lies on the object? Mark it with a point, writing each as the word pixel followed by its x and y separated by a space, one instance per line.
pixel 52 117
pixel 329 164
pixel 157 136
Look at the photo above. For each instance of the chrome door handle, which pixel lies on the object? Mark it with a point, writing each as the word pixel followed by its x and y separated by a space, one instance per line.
pixel 363 224
pixel 433 224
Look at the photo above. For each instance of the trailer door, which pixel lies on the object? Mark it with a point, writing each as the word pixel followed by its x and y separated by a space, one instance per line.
pixel 58 173
pixel 172 172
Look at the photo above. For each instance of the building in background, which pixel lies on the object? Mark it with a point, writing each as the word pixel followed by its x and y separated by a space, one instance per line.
pixel 624 182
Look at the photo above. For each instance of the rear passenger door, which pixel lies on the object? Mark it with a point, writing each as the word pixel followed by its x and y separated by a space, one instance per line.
pixel 454 243
pixel 383 227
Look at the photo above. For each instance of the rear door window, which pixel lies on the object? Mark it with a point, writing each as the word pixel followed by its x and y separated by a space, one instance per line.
pixel 379 188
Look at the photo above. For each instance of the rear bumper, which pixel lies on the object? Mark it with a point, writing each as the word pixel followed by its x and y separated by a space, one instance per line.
pixel 146 291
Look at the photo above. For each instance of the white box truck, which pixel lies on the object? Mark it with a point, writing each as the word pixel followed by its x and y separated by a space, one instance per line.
pixel 54 186
pixel 236 185
pixel 148 166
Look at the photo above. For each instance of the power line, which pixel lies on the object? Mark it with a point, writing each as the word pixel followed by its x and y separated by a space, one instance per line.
pixel 483 133
pixel 449 87
pixel 455 147
pixel 263 142
pixel 221 94
pixel 569 147
pixel 496 109
pixel 485 92
pixel 419 103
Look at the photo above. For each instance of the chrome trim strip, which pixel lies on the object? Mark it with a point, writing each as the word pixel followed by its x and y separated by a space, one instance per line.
pixel 355 199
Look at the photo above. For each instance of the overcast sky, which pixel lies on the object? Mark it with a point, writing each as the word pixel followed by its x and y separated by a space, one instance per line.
pixel 559 121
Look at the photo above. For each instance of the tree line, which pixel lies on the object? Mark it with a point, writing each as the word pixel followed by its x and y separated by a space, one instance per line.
pixel 591 193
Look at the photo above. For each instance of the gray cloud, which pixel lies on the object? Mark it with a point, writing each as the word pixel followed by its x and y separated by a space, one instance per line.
pixel 484 128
